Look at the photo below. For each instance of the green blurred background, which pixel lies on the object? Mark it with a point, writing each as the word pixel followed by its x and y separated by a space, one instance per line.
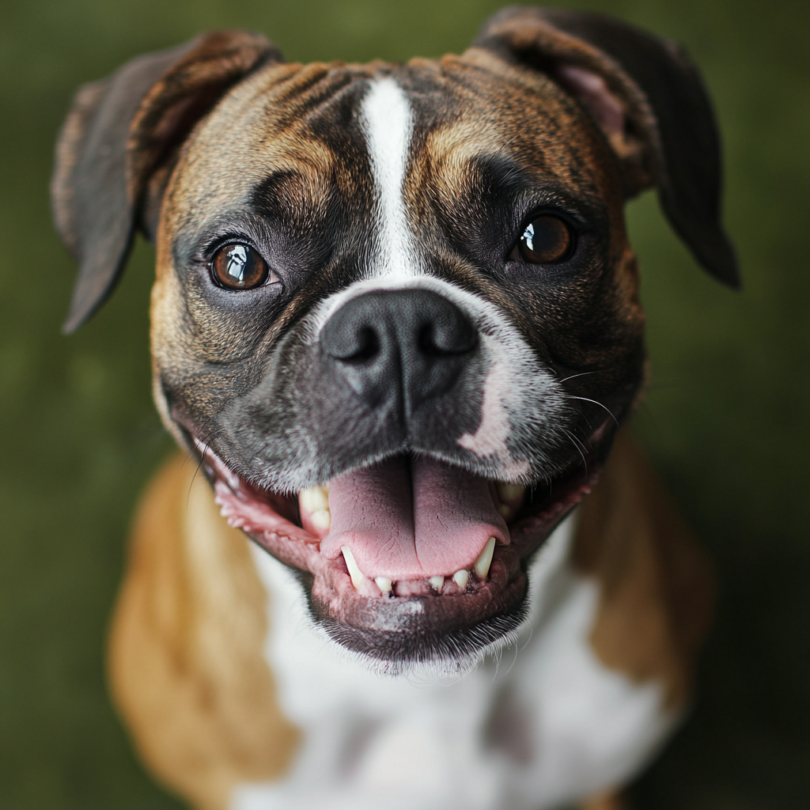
pixel 725 419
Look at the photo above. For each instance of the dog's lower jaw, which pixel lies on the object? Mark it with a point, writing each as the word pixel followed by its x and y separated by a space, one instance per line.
pixel 411 649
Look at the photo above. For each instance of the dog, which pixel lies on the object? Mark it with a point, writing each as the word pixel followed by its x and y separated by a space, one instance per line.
pixel 396 324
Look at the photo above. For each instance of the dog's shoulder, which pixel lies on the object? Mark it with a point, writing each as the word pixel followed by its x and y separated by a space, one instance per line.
pixel 656 587
pixel 186 665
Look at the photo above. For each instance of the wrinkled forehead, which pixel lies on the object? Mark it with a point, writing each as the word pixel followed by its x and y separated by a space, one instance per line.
pixel 351 128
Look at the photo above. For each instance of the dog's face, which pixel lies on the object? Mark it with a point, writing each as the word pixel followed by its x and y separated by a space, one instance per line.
pixel 397 316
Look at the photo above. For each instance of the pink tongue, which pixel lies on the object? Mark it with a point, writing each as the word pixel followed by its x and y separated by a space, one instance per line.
pixel 411 518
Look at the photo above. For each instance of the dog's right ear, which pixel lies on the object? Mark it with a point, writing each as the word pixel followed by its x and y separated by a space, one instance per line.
pixel 120 143
pixel 649 101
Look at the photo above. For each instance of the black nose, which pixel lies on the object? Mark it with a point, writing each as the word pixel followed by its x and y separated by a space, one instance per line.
pixel 399 346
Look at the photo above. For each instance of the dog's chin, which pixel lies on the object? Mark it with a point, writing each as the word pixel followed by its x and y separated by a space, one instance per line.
pixel 449 593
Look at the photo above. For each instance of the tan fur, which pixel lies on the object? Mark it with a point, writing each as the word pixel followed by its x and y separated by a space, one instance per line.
pixel 656 592
pixel 186 668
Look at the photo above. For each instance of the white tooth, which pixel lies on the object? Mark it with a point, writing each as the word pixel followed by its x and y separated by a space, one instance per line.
pixel 436 583
pixel 321 519
pixel 314 499
pixel 358 577
pixel 485 559
pixel 384 584
pixel 461 578
pixel 509 492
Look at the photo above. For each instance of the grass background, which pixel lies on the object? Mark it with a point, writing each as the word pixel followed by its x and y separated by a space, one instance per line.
pixel 726 418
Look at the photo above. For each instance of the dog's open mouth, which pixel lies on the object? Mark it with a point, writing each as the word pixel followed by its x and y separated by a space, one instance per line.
pixel 410 559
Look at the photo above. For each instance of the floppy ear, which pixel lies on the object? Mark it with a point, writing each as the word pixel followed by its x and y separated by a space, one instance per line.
pixel 120 142
pixel 648 99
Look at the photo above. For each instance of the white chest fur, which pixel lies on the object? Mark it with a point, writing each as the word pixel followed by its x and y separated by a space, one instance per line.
pixel 541 727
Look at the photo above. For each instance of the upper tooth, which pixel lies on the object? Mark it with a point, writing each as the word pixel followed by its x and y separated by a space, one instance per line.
pixel 358 577
pixel 383 583
pixel 509 492
pixel 484 560
pixel 314 499
pixel 321 519
pixel 461 578
pixel 436 583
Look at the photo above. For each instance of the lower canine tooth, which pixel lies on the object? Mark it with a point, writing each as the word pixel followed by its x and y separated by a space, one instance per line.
pixel 436 583
pixel 321 519
pixel 385 585
pixel 484 560
pixel 358 577
pixel 461 578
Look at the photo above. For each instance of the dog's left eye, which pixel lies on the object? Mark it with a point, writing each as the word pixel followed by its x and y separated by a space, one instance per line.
pixel 239 267
pixel 546 240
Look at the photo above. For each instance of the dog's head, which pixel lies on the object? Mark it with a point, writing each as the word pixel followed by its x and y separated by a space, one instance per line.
pixel 396 312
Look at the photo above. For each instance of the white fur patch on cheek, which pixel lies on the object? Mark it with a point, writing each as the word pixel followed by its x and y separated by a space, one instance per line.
pixel 388 125
pixel 491 436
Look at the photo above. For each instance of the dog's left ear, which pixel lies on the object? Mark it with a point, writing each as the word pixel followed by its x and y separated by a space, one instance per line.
pixel 649 101
pixel 120 143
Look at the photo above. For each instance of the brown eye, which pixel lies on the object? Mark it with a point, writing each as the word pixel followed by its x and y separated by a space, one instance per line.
pixel 546 240
pixel 239 267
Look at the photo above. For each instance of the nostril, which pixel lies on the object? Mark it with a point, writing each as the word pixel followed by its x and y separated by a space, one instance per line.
pixel 428 345
pixel 447 339
pixel 367 347
pixel 354 345
pixel 425 341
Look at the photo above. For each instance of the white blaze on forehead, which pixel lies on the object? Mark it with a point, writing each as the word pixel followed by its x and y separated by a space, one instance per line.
pixel 388 125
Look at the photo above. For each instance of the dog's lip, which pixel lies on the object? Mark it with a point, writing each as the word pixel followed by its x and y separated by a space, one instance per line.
pixel 421 624
pixel 269 520
pixel 394 632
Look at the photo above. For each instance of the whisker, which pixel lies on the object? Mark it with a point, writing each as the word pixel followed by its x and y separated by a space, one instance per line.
pixel 206 442
pixel 577 444
pixel 581 374
pixel 605 407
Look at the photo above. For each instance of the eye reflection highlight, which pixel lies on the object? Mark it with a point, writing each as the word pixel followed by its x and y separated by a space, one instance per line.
pixel 236 262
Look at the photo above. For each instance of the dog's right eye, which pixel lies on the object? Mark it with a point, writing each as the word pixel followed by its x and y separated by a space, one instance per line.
pixel 239 267
pixel 546 240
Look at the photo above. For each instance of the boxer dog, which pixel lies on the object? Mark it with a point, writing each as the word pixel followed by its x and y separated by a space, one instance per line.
pixel 396 325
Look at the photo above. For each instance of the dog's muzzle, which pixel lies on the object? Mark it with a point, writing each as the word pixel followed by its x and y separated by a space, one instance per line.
pixel 410 550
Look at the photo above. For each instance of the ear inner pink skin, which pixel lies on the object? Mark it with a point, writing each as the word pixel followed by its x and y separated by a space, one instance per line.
pixel 409 519
pixel 592 91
